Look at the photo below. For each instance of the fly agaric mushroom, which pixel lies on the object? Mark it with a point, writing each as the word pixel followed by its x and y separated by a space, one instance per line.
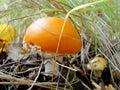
pixel 45 33
pixel 7 33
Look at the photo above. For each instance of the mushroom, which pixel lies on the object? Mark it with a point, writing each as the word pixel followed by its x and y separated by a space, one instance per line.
pixel 100 69
pixel 45 33
pixel 7 33
pixel 97 64
pixel 110 87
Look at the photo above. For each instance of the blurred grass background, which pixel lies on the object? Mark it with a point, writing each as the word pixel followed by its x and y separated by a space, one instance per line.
pixel 98 25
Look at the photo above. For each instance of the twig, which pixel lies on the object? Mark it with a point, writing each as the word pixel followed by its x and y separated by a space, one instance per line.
pixel 66 67
pixel 36 77
pixel 28 70
pixel 21 81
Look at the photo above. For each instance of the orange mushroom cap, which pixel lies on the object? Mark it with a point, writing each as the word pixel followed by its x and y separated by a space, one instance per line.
pixel 45 32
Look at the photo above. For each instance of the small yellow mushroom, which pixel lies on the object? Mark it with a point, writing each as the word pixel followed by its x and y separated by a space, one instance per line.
pixel 110 87
pixel 98 63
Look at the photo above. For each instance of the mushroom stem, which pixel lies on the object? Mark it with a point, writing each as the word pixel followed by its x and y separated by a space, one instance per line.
pixel 51 67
